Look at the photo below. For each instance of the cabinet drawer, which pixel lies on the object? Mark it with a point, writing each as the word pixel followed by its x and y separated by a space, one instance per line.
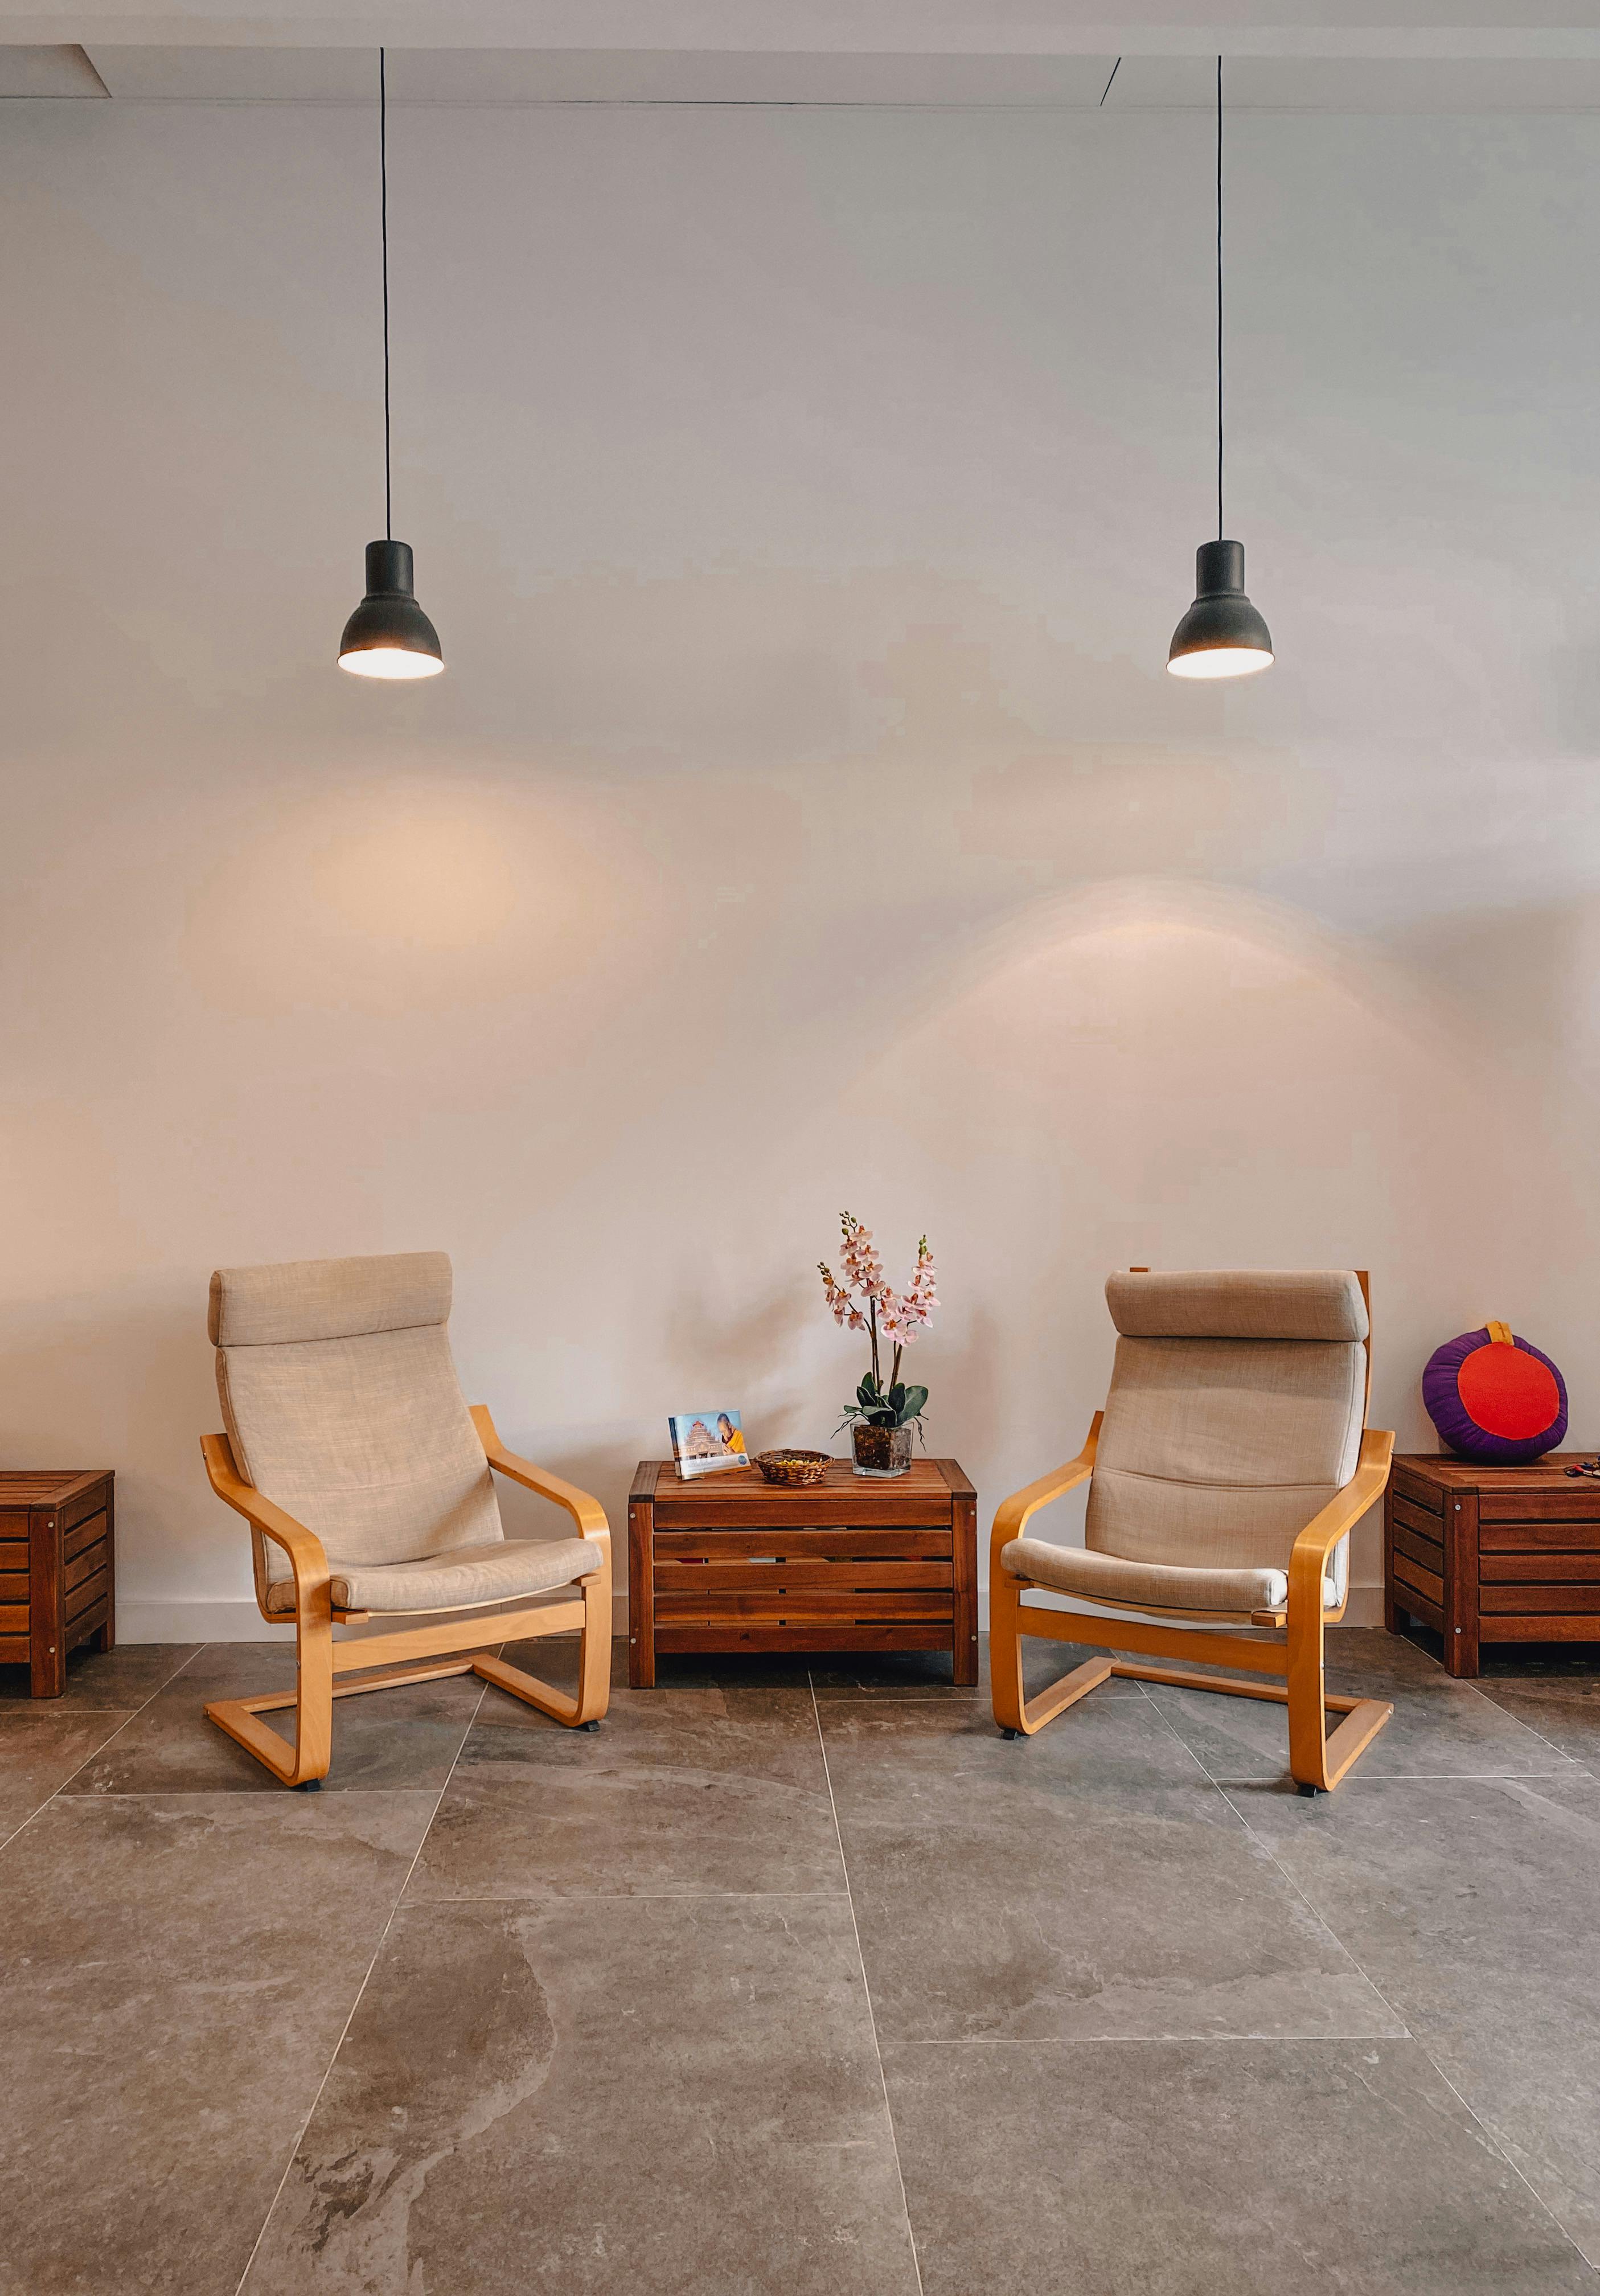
pixel 1510 1537
pixel 755 1639
pixel 1496 1570
pixel 1495 1602
pixel 754 1577
pixel 803 1546
pixel 754 1504
pixel 1581 1504
pixel 806 1609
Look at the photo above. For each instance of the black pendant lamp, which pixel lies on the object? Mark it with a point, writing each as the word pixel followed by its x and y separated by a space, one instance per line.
pixel 1221 636
pixel 389 635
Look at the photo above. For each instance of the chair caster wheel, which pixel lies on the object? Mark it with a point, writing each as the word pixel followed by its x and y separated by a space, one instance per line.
pixel 1311 1791
pixel 1005 1733
pixel 308 1785
pixel 589 1726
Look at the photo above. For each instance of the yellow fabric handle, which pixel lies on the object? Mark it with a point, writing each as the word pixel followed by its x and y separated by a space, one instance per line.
pixel 1500 1335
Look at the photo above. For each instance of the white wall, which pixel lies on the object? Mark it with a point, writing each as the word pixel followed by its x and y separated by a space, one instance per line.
pixel 805 500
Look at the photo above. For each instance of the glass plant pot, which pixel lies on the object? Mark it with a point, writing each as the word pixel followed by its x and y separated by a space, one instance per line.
pixel 881 1450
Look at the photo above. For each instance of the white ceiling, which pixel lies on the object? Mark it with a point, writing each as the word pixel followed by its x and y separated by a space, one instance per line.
pixel 1533 29
pixel 1283 55
pixel 47 72
pixel 272 75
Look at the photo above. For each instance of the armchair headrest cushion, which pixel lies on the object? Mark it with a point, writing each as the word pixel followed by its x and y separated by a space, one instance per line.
pixel 1250 1303
pixel 328 1299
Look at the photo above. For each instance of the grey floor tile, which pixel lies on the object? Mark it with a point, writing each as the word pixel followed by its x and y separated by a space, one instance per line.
pixel 731 1670
pixel 656 2095
pixel 40 1747
pixel 1453 1893
pixel 891 1674
pixel 923 1674
pixel 406 1739
pixel 118 1680
pixel 554 1657
pixel 1439 1728
pixel 679 1790
pixel 1210 2168
pixel 1379 1660
pixel 868 1674
pixel 1086 1882
pixel 1472 1906
pixel 1534 2083
pixel 1564 1708
pixel 178 1972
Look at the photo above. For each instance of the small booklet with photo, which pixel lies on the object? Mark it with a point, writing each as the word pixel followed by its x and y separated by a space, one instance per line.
pixel 705 1441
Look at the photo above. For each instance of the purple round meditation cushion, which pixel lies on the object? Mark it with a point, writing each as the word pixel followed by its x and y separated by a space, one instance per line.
pixel 1494 1398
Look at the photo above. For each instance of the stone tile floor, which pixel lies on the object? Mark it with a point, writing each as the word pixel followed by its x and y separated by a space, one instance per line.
pixel 801 1980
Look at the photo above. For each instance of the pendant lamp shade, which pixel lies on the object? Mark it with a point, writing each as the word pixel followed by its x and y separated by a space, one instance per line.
pixel 1221 636
pixel 389 635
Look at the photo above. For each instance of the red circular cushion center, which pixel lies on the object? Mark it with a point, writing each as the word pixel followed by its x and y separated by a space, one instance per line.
pixel 1509 1392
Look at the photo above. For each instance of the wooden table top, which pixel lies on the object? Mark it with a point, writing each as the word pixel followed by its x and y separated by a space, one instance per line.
pixel 34 1487
pixel 743 1495
pixel 1545 1474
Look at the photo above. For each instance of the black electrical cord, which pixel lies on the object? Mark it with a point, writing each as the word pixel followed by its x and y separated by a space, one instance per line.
pixel 389 527
pixel 1220 529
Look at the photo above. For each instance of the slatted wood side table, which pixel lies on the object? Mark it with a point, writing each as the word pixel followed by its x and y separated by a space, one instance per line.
pixel 1492 1554
pixel 730 1562
pixel 57 1570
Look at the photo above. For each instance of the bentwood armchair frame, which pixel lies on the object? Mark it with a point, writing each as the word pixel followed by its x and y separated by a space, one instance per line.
pixel 1318 1758
pixel 383 1661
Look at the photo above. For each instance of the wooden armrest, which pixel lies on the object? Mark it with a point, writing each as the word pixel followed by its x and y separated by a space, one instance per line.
pixel 1012 1515
pixel 586 1512
pixel 1342 1512
pixel 307 1554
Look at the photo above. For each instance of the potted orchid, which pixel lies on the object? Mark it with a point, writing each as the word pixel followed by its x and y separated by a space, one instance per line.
pixel 882 1416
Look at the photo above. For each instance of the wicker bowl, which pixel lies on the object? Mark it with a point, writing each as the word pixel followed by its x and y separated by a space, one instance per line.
pixel 792 1467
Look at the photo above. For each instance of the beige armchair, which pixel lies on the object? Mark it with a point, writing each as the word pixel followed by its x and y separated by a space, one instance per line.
pixel 341 1401
pixel 1225 1474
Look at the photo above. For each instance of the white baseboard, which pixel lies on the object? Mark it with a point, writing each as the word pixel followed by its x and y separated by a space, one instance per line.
pixel 203 1621
pixel 237 1619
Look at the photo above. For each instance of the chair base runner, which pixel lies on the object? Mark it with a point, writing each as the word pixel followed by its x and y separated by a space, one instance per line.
pixel 464 1644
pixel 305 1764
pixel 1313 1748
pixel 1066 1693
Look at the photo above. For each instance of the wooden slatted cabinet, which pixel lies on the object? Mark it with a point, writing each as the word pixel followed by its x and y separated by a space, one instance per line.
pixel 1492 1554
pixel 57 1570
pixel 730 1562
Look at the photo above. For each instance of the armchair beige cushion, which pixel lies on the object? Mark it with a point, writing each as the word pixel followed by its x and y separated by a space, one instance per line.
pixel 1153 1586
pixel 342 1406
pixel 1235 1413
pixel 467 1579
